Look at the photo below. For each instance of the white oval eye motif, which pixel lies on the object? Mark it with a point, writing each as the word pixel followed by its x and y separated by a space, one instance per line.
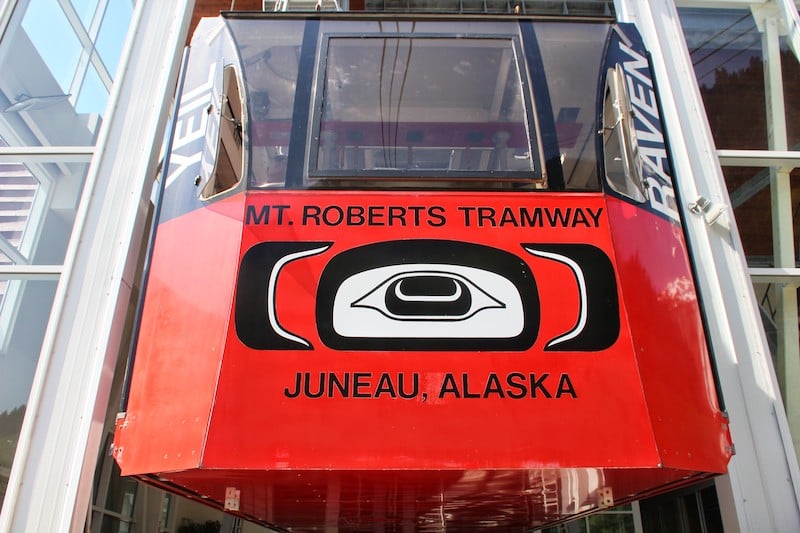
pixel 427 301
pixel 428 295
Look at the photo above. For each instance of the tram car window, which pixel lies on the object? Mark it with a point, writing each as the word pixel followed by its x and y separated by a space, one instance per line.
pixel 421 105
pixel 229 162
pixel 621 155
pixel 422 109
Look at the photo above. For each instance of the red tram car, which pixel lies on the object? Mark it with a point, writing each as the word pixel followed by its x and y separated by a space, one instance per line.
pixel 419 272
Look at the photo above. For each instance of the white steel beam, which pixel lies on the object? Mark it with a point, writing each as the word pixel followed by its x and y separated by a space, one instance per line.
pixel 783 159
pixel 46 154
pixel 11 252
pixel 50 483
pixel 763 481
pixel 779 276
pixel 756 158
pixel 35 272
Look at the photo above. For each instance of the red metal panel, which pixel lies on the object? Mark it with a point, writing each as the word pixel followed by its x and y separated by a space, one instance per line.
pixel 184 323
pixel 599 373
pixel 594 395
pixel 660 297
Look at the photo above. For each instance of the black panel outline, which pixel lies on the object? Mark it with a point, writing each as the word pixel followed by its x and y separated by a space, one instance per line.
pixel 597 286
pixel 255 311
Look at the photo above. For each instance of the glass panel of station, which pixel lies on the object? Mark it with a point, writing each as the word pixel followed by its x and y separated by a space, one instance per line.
pixel 53 91
pixel 114 24
pixel 618 520
pixel 24 310
pixel 44 56
pixel 689 511
pixel 38 203
pixel 725 46
pixel 114 497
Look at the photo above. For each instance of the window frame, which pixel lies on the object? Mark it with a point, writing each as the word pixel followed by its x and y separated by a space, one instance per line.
pixel 623 129
pixel 230 129
pixel 424 179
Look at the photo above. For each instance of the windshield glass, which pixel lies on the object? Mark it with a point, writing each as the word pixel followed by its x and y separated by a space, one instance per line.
pixel 464 104
pixel 422 106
